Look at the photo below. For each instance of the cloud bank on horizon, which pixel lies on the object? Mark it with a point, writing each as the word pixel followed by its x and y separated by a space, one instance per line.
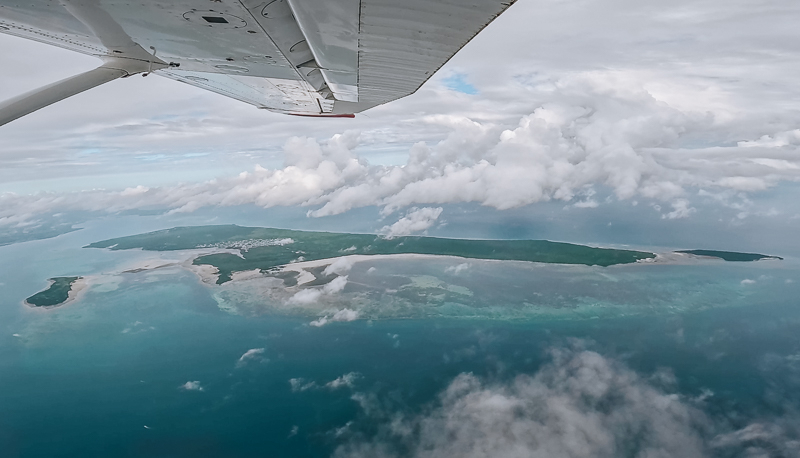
pixel 568 100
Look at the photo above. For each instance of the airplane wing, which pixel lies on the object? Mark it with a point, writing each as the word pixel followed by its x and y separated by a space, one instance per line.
pixel 301 57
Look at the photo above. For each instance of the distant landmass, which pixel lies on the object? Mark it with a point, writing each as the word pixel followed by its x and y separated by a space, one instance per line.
pixel 45 230
pixel 290 255
pixel 56 294
pixel 266 248
pixel 730 255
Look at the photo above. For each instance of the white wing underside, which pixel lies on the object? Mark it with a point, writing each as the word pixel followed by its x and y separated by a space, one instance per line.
pixel 305 57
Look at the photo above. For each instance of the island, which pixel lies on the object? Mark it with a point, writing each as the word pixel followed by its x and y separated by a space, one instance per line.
pixel 255 270
pixel 56 294
pixel 266 249
pixel 730 255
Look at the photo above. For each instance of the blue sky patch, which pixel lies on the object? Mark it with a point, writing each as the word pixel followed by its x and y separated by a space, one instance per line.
pixel 459 83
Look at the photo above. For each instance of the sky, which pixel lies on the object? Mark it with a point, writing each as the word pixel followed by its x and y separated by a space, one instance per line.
pixel 683 115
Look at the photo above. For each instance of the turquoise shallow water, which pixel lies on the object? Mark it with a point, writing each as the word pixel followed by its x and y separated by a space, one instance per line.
pixel 84 380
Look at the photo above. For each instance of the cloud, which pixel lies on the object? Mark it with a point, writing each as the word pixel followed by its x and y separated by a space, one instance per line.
pixel 336 285
pixel 680 209
pixel 138 190
pixel 305 296
pixel 345 381
pixel 192 386
pixel 588 203
pixel 320 322
pixel 340 315
pixel 592 134
pixel 416 220
pixel 345 315
pixel 313 295
pixel 457 269
pixel 249 355
pixel 580 405
pixel 748 281
pixel 341 431
pixel 624 140
pixel 777 140
pixel 762 440
pixel 339 267
pixel 301 384
pixel 665 101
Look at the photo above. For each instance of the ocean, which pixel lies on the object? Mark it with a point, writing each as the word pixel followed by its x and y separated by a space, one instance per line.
pixel 148 364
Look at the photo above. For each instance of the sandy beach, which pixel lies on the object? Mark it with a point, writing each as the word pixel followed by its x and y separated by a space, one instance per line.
pixel 77 289
pixel 209 275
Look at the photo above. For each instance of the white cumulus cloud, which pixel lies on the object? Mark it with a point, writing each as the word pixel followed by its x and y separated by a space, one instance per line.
pixel 192 386
pixel 336 285
pixel 306 296
pixel 591 134
pixel 300 384
pixel 340 315
pixel 457 269
pixel 249 355
pixel 344 381
pixel 340 266
pixel 313 295
pixel 416 220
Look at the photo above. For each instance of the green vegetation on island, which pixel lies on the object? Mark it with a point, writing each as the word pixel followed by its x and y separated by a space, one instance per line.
pixel 265 248
pixel 11 235
pixel 56 294
pixel 729 255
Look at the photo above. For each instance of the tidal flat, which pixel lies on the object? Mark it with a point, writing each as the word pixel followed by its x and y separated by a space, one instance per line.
pixel 732 256
pixel 336 276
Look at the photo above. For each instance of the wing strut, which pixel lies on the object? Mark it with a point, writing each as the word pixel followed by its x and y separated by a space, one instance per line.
pixel 112 69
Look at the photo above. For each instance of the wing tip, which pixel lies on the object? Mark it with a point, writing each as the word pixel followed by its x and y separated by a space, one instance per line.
pixel 322 115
